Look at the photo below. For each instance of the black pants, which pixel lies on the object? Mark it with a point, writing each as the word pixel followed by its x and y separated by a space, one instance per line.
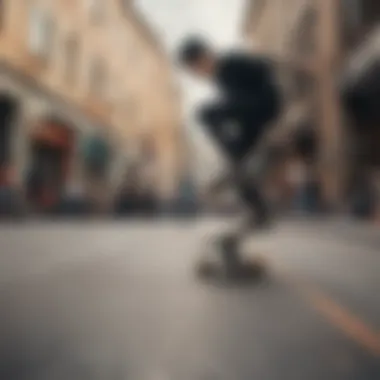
pixel 251 195
pixel 251 122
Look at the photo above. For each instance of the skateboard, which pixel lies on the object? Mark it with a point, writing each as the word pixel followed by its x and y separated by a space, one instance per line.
pixel 220 264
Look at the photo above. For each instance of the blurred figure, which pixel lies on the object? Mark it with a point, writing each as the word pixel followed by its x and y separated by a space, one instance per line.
pixel 74 202
pixel 250 102
pixel 43 194
pixel 128 201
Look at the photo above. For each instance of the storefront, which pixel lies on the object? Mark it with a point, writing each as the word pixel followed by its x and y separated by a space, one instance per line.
pixel 41 138
pixel 51 149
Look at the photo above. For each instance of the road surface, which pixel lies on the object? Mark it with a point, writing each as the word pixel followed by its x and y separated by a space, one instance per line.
pixel 117 300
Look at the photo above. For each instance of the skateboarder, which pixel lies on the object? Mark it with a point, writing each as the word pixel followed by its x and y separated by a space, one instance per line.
pixel 248 105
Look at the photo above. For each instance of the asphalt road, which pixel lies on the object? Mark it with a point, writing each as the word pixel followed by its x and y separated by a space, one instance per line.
pixel 119 301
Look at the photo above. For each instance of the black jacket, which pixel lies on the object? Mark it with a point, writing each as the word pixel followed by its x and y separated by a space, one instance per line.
pixel 251 98
pixel 247 80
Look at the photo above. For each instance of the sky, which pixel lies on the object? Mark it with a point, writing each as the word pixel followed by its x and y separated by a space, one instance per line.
pixel 173 19
pixel 217 20
pixel 220 22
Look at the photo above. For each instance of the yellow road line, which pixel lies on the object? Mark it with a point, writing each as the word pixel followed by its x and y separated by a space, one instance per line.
pixel 337 315
pixel 345 320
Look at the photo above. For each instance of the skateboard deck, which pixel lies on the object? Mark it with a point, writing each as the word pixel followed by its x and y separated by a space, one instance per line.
pixel 211 267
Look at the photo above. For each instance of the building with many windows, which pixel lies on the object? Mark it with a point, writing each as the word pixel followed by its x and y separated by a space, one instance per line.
pixel 84 87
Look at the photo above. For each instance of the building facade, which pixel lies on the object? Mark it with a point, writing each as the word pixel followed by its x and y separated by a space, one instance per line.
pixel 315 42
pixel 84 75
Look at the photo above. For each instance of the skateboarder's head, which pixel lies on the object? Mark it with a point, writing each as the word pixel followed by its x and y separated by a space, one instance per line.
pixel 197 57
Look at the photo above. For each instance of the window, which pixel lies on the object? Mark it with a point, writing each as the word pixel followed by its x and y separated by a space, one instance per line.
pixel 71 58
pixel 2 14
pixel 98 79
pixel 96 9
pixel 41 33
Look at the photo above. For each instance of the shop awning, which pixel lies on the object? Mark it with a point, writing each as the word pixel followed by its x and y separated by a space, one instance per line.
pixel 53 134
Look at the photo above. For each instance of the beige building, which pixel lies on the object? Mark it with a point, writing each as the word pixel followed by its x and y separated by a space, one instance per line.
pixel 72 71
pixel 315 42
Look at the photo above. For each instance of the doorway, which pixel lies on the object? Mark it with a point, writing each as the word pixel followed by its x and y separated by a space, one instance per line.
pixel 8 112
pixel 51 151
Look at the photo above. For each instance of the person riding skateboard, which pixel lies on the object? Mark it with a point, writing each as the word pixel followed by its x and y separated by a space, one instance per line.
pixel 249 102
pixel 247 107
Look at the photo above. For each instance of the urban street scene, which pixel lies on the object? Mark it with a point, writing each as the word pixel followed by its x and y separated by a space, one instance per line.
pixel 190 189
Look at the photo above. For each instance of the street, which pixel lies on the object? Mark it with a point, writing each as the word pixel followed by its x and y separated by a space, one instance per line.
pixel 119 300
